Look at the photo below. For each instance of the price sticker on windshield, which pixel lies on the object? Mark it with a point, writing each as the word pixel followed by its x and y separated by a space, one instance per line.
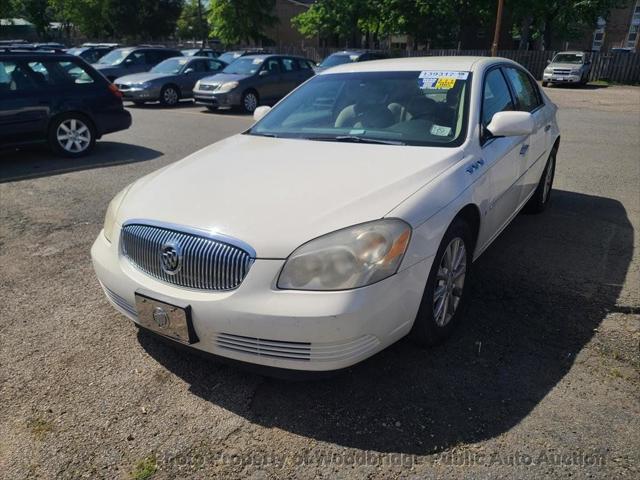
pixel 440 79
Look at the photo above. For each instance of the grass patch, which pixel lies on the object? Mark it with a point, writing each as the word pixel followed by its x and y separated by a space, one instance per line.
pixel 145 468
pixel 39 427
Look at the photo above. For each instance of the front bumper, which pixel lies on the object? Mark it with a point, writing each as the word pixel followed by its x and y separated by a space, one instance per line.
pixel 218 100
pixel 561 78
pixel 259 324
pixel 141 94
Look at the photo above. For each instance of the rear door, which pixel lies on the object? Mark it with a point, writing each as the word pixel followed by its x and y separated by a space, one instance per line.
pixel 534 150
pixel 24 104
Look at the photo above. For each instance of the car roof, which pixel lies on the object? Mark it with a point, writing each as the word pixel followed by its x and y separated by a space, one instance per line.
pixel 37 54
pixel 458 63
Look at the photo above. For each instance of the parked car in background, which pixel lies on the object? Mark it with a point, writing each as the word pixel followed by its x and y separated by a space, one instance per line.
pixel 231 56
pixel 349 56
pixel 200 52
pixel 169 81
pixel 373 189
pixel 125 61
pixel 56 98
pixel 567 67
pixel 90 54
pixel 253 80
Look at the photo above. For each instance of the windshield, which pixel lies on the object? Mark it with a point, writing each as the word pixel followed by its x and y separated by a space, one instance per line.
pixel 229 57
pixel 574 58
pixel 75 51
pixel 114 58
pixel 338 59
pixel 244 66
pixel 190 53
pixel 171 66
pixel 412 108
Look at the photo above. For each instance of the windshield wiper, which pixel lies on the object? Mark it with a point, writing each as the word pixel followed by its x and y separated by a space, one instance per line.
pixel 355 139
pixel 272 135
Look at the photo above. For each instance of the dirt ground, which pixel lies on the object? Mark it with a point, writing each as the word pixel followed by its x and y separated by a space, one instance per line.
pixel 542 380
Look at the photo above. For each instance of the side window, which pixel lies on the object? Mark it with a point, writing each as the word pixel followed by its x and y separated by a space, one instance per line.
pixel 59 73
pixel 15 78
pixel 289 64
pixel 495 96
pixel 303 64
pixel 214 66
pixel 138 58
pixel 527 94
pixel 199 66
pixel 272 65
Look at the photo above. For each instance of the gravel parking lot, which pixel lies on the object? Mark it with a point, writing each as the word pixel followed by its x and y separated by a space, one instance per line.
pixel 541 382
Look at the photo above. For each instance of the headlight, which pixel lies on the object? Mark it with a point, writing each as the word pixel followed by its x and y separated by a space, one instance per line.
pixel 197 87
pixel 350 258
pixel 112 211
pixel 226 87
pixel 548 70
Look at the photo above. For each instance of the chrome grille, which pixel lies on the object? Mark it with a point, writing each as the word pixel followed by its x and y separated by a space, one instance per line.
pixel 208 86
pixel 206 263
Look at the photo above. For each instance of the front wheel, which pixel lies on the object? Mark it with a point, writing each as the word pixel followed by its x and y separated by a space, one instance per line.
pixel 249 101
pixel 544 84
pixel 72 135
pixel 443 300
pixel 169 96
pixel 541 197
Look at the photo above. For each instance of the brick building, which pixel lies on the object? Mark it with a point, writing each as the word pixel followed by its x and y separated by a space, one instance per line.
pixel 284 33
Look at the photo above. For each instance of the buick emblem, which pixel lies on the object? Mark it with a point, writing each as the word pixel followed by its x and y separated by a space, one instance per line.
pixel 171 257
pixel 161 317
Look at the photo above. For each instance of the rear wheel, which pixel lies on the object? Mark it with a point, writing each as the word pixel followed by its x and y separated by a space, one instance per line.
pixel 250 101
pixel 544 84
pixel 540 199
pixel 443 301
pixel 72 135
pixel 169 96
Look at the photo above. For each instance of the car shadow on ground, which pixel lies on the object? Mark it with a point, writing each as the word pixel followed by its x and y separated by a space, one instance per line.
pixel 537 294
pixel 38 161
pixel 186 103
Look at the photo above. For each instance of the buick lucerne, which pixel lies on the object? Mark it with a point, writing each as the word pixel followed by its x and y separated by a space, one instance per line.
pixel 347 217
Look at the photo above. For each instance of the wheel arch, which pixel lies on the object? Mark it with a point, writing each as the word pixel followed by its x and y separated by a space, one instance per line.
pixel 470 213
pixel 85 115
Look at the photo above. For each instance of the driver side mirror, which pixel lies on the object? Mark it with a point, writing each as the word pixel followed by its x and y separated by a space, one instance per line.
pixel 128 62
pixel 264 73
pixel 189 71
pixel 260 112
pixel 511 124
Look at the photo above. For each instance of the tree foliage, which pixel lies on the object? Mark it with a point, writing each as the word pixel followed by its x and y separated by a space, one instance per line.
pixel 193 21
pixel 239 21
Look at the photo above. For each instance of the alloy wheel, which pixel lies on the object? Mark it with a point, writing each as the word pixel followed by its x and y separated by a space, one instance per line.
pixel 548 179
pixel 449 282
pixel 250 102
pixel 73 135
pixel 170 96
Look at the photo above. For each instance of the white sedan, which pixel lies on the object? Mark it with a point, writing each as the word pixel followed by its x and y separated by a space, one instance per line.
pixel 346 218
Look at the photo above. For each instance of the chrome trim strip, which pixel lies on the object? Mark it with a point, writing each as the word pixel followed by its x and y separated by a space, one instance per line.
pixel 209 261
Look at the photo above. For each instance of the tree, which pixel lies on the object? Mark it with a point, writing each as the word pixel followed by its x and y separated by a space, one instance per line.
pixel 143 19
pixel 237 21
pixel 193 22
pixel 38 12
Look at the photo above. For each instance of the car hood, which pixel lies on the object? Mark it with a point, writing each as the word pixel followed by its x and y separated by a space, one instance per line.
pixel 224 77
pixel 144 77
pixel 276 194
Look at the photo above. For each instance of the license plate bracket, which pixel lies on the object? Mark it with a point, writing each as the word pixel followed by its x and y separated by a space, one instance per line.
pixel 165 317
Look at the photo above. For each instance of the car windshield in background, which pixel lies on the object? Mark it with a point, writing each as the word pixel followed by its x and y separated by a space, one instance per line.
pixel 170 66
pixel 333 60
pixel 75 51
pixel 568 58
pixel 114 58
pixel 191 52
pixel 412 108
pixel 244 66
pixel 229 57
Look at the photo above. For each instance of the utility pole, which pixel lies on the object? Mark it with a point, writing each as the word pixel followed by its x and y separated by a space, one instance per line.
pixel 496 34
pixel 201 22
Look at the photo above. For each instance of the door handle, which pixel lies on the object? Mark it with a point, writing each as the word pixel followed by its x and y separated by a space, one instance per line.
pixel 524 149
pixel 547 128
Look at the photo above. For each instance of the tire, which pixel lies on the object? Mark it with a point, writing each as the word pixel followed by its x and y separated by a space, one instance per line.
pixel 72 135
pixel 432 325
pixel 169 96
pixel 542 196
pixel 250 101
pixel 212 109
pixel 544 84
